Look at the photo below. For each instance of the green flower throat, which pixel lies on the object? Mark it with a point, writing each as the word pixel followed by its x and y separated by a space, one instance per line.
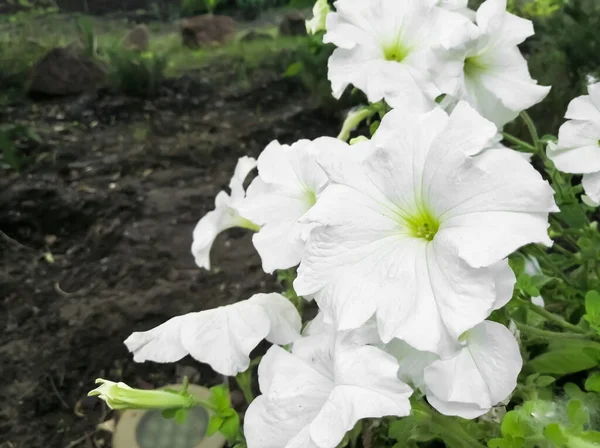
pixel 421 224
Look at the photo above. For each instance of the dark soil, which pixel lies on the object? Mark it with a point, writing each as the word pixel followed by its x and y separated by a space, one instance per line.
pixel 96 236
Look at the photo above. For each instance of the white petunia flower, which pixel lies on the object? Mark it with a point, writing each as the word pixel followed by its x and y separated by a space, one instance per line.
pixel 288 183
pixel 224 216
pixel 482 374
pixel 578 148
pixel 222 337
pixel 314 395
pixel 384 49
pixel 320 11
pixel 486 68
pixel 459 6
pixel 418 230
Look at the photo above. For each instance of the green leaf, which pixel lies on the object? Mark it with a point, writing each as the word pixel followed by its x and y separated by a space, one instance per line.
pixel 517 424
pixel 293 70
pixel 525 284
pixel 219 396
pixel 592 308
pixel 401 429
pixel 231 427
pixel 169 413
pixel 573 391
pixel 562 361
pixel 373 128
pixel 592 383
pixel 544 381
pixel 573 215
pixel 555 434
pixel 181 416
pixel 214 425
pixel 578 415
pixel 590 436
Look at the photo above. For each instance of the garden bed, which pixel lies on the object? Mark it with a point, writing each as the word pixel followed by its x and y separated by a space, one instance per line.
pixel 96 235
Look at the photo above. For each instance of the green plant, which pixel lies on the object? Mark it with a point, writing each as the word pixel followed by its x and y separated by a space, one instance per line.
pixel 250 9
pixel 135 73
pixel 14 139
pixel 87 36
pixel 192 7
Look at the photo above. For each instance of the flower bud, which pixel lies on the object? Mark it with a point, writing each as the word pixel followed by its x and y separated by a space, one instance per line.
pixel 121 396
pixel 317 23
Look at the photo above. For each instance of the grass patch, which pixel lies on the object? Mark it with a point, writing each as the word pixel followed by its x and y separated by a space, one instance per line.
pixel 24 41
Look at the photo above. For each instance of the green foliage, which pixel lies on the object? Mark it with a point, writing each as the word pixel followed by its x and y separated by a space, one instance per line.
pixel 424 425
pixel 88 37
pixel 250 9
pixel 14 139
pixel 224 418
pixel 137 73
pixel 535 8
pixel 545 424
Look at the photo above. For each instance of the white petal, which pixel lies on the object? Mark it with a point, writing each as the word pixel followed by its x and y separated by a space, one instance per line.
pixel 483 206
pixel 351 66
pixel 591 185
pixel 280 245
pixel 264 428
pixel 161 344
pixel 284 320
pixel 351 304
pixel 455 408
pixel 366 387
pixel 594 91
pixel 222 337
pixel 578 147
pixel 242 169
pixel 223 217
pixel 293 394
pixel 507 78
pixel 583 108
pixel 507 29
pixel 412 362
pixel 505 281
pixel 483 374
pixel 289 181
pixel 539 301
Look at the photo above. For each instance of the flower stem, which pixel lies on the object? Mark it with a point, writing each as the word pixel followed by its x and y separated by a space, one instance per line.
pixel 203 403
pixel 532 130
pixel 545 334
pixel 244 381
pixel 446 426
pixel 555 319
pixel 354 119
pixel 540 253
pixel 518 141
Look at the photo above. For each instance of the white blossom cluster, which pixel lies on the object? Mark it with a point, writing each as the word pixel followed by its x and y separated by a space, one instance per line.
pixel 401 240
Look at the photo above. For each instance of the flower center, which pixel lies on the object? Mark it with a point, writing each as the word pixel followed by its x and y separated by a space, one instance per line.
pixel 311 197
pixel 422 224
pixel 395 52
pixel 473 66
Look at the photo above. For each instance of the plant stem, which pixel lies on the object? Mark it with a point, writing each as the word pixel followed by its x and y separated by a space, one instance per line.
pixel 203 403
pixel 518 141
pixel 244 381
pixel 540 253
pixel 447 426
pixel 532 130
pixel 353 120
pixel 554 318
pixel 545 334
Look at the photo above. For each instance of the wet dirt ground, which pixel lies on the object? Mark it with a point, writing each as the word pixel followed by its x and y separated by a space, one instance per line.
pixel 96 233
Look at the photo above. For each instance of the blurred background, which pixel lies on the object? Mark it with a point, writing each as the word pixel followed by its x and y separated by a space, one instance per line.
pixel 120 120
